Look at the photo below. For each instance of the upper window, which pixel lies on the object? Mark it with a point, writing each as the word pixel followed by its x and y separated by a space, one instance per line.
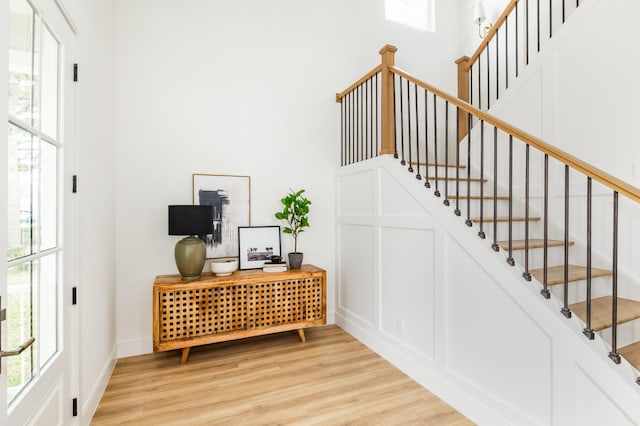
pixel 414 13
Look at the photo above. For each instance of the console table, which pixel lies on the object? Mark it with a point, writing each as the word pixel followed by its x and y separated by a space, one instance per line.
pixel 246 303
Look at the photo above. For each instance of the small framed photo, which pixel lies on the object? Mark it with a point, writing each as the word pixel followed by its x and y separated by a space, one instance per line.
pixel 257 244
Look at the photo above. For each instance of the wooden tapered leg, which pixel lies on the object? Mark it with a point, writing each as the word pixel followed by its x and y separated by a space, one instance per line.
pixel 185 355
pixel 301 335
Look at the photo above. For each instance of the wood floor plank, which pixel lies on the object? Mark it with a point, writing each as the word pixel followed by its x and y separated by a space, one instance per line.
pixel 330 379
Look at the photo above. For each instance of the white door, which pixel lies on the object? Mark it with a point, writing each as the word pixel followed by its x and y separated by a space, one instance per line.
pixel 36 385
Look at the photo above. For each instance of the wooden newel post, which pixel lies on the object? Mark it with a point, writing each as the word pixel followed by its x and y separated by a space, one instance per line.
pixel 387 121
pixel 463 94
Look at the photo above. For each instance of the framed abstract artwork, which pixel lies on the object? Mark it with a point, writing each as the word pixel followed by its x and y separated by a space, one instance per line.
pixel 230 199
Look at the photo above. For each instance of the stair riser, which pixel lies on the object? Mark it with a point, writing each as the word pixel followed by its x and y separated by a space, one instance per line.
pixel 518 229
pixel 628 333
pixel 578 289
pixel 555 256
pixel 451 186
pixel 503 208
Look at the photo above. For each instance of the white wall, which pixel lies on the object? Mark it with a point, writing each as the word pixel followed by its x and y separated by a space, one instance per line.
pixel 420 288
pixel 242 88
pixel 95 133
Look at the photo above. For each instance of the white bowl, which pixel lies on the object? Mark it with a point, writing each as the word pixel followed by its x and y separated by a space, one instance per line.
pixel 224 267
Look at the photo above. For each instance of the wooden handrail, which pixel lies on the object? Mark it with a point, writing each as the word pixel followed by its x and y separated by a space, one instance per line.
pixel 492 32
pixel 575 163
pixel 364 78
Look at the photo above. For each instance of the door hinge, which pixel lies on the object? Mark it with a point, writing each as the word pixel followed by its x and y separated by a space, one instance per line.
pixel 75 407
pixel 75 72
pixel 74 184
pixel 74 296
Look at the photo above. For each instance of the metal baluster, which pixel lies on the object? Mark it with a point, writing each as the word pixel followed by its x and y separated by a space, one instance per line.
pixel 510 260
pixel 471 85
pixel 550 18
pixel 376 115
pixel 427 184
pixel 409 126
pixel 342 129
pixel 506 53
pixel 468 221
pixel 457 210
pixel 614 355
pixel 417 133
pixel 495 246
pixel 446 154
pixel 366 120
pixel 435 144
pixel 517 4
pixel 497 43
pixel 563 12
pixel 565 297
pixel 481 233
pixel 488 79
pixel 588 331
pixel 363 149
pixel 545 250
pixel 358 140
pixel 371 138
pixel 401 126
pixel 538 12
pixel 479 84
pixel 395 115
pixel 526 274
pixel 351 128
pixel 526 32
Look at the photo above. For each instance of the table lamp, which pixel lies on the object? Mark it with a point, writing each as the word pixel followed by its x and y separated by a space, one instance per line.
pixel 190 252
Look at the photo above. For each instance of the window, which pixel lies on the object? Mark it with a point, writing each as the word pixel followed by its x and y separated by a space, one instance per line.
pixel 414 13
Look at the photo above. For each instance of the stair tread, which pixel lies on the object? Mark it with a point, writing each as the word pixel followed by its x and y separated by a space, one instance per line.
pixel 628 310
pixel 422 163
pixel 506 219
pixel 632 354
pixel 555 274
pixel 533 243
pixel 477 197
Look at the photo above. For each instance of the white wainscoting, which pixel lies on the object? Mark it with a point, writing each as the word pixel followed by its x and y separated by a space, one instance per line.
pixel 422 290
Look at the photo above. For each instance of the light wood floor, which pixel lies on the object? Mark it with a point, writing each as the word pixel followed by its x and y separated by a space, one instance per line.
pixel 331 379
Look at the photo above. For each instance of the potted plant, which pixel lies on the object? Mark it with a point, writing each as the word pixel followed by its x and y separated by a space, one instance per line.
pixel 295 210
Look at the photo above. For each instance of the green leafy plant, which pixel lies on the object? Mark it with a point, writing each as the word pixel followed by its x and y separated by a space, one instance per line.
pixel 295 210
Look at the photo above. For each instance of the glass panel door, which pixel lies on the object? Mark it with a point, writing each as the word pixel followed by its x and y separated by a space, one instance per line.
pixel 34 252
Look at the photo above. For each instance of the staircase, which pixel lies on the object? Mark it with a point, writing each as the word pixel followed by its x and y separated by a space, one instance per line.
pixel 529 201
pixel 421 127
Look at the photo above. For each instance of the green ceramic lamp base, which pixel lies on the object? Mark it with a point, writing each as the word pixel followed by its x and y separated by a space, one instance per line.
pixel 190 255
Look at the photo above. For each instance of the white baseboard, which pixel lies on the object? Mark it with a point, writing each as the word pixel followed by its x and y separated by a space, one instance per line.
pixel 92 400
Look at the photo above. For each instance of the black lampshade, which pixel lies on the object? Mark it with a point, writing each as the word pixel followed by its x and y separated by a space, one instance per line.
pixel 190 220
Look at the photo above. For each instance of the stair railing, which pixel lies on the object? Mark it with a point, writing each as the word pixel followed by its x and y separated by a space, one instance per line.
pixel 424 131
pixel 518 32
